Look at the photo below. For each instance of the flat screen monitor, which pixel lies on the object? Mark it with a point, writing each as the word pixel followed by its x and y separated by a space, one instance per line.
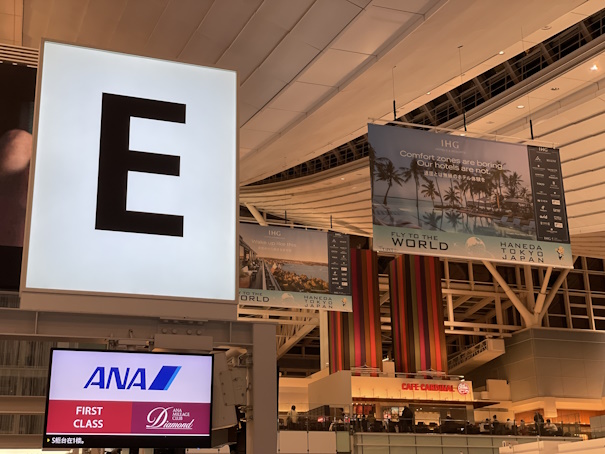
pixel 128 399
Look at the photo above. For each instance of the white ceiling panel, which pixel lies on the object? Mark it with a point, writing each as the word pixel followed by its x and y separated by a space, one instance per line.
pixel 245 53
pixel 136 24
pixel 579 208
pixel 289 58
pixel 585 73
pixel 361 3
pixel 324 21
pixel 284 14
pixel 273 120
pixel 262 34
pixel 99 23
pixel 260 87
pixel 300 97
pixel 333 67
pixel 416 6
pixel 584 176
pixel 581 149
pixel 245 111
pixel 558 88
pixel 384 24
pixel 249 138
pixel 572 133
pixel 36 14
pixel 178 20
pixel 243 151
pixel 64 22
pixel 221 25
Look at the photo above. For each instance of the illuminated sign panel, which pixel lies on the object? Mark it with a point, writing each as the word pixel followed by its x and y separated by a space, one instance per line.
pixel 134 183
pixel 411 389
pixel 99 398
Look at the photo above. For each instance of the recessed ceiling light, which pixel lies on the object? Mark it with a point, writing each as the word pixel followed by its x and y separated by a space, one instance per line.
pixel 594 68
pixel 520 106
pixel 490 122
pixel 428 92
pixel 342 178
pixel 501 52
pixel 554 88
pixel 462 134
pixel 547 27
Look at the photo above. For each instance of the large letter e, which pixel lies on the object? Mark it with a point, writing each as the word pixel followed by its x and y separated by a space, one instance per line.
pixel 116 160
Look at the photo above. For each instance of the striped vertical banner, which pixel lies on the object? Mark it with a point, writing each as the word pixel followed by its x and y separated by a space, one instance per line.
pixel 355 338
pixel 417 314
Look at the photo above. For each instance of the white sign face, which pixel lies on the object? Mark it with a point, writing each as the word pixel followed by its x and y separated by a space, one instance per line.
pixel 98 395
pixel 130 377
pixel 134 189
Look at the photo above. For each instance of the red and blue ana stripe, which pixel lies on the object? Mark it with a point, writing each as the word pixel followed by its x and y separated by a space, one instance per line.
pixel 355 339
pixel 417 314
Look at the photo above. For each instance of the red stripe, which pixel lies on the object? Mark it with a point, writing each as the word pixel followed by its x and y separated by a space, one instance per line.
pixel 403 314
pixel 420 312
pixel 433 295
pixel 371 306
pixel 394 290
pixel 356 307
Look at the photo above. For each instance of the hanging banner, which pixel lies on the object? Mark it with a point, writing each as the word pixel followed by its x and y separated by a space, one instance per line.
pixel 453 196
pixel 296 268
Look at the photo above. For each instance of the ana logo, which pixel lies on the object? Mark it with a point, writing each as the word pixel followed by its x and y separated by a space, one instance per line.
pixel 161 382
pixel 158 419
pixel 463 388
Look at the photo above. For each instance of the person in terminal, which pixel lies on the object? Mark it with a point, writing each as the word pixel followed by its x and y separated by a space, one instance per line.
pixel 406 420
pixel 292 418
pixel 550 428
pixel 371 421
pixel 523 430
pixel 539 421
pixel 449 426
pixel 496 425
pixel 486 426
pixel 508 425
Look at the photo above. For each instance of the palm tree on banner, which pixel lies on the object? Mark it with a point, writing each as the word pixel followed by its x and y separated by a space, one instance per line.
pixel 513 183
pixel 432 219
pixel 430 191
pixel 451 196
pixel 438 188
pixel 453 218
pixel 415 172
pixel 498 174
pixel 462 186
pixel 386 171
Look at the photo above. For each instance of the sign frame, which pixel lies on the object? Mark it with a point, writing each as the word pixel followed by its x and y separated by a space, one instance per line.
pixel 131 441
pixel 117 303
pixel 443 159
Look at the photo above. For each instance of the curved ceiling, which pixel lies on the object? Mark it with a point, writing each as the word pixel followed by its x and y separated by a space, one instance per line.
pixel 313 71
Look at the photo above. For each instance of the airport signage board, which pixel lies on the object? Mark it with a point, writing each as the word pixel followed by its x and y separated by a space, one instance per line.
pixel 125 399
pixel 285 267
pixel 453 196
pixel 134 191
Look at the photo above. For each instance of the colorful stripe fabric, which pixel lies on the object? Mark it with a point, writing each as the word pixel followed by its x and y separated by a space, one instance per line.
pixel 417 314
pixel 355 339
